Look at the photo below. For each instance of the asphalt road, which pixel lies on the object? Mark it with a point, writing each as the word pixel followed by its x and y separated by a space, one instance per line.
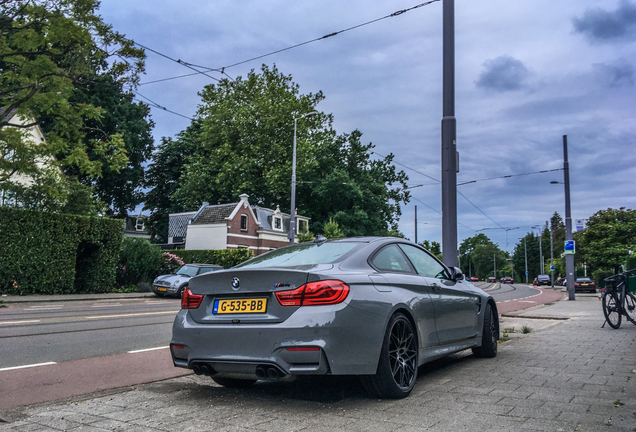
pixel 57 331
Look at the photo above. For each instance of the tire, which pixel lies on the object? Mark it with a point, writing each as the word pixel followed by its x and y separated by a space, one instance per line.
pixel 397 367
pixel 612 310
pixel 233 382
pixel 489 336
pixel 630 307
pixel 180 292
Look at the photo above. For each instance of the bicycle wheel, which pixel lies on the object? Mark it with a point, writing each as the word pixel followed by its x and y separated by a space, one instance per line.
pixel 612 309
pixel 630 307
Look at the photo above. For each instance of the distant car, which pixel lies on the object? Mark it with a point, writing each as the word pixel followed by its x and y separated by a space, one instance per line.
pixel 492 279
pixel 543 280
pixel 474 279
pixel 506 279
pixel 173 284
pixel 584 284
pixel 369 306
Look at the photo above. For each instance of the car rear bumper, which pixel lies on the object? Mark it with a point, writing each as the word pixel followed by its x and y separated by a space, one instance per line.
pixel 335 342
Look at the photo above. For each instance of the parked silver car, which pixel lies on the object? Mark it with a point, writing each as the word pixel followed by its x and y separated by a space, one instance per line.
pixel 374 307
pixel 173 284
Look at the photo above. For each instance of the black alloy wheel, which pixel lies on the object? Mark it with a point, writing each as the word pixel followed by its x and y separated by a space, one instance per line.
pixel 490 334
pixel 397 368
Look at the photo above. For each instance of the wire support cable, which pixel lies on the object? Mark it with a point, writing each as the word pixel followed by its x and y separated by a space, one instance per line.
pixel 508 176
pixel 156 105
pixel 222 69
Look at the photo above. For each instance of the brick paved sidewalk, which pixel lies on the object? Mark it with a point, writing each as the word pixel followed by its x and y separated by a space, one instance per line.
pixel 566 375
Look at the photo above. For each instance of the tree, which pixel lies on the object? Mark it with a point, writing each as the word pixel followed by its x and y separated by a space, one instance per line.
pixel 433 247
pixel 332 230
pixel 608 239
pixel 120 187
pixel 46 48
pixel 478 256
pixel 245 146
pixel 353 190
pixel 163 176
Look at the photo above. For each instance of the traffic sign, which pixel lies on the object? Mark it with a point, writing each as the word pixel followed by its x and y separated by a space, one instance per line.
pixel 569 247
pixel 526 273
pixel 551 268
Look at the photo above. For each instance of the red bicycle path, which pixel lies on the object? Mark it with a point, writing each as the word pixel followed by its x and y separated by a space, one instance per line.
pixel 46 383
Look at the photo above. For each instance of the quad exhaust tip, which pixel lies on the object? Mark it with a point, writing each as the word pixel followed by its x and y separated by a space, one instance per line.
pixel 268 373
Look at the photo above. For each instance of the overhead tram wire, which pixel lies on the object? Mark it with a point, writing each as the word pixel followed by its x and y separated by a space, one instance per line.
pixel 508 176
pixel 186 64
pixel 222 69
pixel 156 105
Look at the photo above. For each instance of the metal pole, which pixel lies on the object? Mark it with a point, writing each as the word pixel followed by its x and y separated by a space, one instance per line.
pixel 292 219
pixel 551 258
pixel 569 258
pixel 541 252
pixel 449 136
pixel 494 265
pixel 415 224
pixel 525 252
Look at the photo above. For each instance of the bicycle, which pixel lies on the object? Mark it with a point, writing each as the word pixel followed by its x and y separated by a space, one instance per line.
pixel 618 299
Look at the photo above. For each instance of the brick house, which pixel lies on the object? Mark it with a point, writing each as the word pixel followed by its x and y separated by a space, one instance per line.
pixel 233 226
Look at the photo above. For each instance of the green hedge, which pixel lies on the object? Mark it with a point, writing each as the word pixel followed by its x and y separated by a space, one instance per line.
pixel 226 258
pixel 48 253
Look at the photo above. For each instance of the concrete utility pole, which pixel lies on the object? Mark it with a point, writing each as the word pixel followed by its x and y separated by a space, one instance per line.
pixel 569 258
pixel 541 251
pixel 292 220
pixel 449 135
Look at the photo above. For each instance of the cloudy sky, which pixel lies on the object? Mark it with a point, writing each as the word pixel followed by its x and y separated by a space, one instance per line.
pixel 527 73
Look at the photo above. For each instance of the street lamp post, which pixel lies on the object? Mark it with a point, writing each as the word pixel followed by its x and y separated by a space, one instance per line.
pixel 292 219
pixel 551 258
pixel 525 252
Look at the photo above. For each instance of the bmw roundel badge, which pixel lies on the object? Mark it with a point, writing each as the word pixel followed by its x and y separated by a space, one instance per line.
pixel 236 283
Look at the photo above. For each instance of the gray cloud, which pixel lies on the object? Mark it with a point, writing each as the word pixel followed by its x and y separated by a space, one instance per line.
pixel 503 74
pixel 615 75
pixel 600 25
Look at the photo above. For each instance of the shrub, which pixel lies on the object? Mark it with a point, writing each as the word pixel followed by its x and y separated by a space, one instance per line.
pixel 170 264
pixel 139 261
pixel 226 258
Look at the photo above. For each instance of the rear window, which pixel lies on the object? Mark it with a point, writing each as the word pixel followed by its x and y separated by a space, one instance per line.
pixel 301 255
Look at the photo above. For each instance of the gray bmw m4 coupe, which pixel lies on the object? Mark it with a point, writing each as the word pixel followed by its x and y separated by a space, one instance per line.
pixel 369 306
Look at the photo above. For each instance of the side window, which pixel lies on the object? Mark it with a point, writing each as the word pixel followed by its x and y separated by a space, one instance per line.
pixel 424 264
pixel 206 270
pixel 391 259
pixel 243 222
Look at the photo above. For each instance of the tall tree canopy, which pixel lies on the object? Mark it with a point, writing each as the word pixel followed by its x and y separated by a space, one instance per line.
pixel 245 146
pixel 478 256
pixel 164 176
pixel 608 240
pixel 47 49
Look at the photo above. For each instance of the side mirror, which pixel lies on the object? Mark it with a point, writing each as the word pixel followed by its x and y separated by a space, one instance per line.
pixel 457 274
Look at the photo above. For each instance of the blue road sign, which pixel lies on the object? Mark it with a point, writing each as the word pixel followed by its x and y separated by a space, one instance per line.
pixel 569 247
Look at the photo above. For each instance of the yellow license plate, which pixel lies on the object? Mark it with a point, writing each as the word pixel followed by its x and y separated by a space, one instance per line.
pixel 162 289
pixel 233 306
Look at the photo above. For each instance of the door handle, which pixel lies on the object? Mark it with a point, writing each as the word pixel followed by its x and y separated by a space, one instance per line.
pixel 436 288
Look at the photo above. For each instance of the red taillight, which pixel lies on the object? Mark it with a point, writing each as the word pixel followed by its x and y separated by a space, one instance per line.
pixel 189 300
pixel 177 346
pixel 319 293
pixel 592 283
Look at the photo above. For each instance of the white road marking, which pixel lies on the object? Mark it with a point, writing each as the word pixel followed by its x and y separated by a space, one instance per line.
pixel 106 305
pixel 131 315
pixel 147 349
pixel 47 307
pixel 27 366
pixel 19 322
